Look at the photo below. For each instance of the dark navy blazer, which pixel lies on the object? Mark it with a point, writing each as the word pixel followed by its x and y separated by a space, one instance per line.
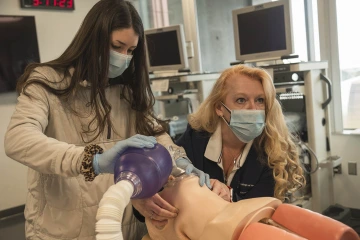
pixel 253 179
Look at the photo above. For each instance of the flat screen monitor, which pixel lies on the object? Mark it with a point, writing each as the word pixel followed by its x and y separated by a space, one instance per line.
pixel 18 48
pixel 263 31
pixel 166 49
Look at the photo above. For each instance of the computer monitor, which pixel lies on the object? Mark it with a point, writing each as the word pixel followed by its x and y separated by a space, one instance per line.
pixel 166 49
pixel 263 32
pixel 18 48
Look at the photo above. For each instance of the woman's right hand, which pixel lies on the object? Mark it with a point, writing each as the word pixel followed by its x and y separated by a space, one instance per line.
pixel 105 162
pixel 220 189
pixel 189 168
pixel 155 208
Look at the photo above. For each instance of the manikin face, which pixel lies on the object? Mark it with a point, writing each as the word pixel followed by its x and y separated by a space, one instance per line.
pixel 243 92
pixel 124 41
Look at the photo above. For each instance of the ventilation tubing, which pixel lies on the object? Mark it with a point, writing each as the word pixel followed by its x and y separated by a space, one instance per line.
pixel 139 173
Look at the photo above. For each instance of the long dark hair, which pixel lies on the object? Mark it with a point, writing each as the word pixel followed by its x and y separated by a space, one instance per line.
pixel 91 43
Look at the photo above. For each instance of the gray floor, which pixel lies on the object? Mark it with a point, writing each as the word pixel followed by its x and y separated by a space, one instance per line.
pixel 12 228
pixel 355 224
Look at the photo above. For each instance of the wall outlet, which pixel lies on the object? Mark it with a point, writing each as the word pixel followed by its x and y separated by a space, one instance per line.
pixel 352 168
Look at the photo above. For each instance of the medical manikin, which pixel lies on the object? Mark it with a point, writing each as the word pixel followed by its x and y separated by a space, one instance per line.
pixel 205 215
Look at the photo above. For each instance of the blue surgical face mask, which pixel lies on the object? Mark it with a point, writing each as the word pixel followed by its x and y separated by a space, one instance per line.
pixel 246 124
pixel 118 63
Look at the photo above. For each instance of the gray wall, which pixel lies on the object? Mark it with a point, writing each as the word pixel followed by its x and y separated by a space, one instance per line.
pixel 216 32
pixel 52 39
pixel 175 12
pixel 144 8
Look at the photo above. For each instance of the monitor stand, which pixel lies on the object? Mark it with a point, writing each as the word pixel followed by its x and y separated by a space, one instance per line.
pixel 169 73
pixel 286 59
pixel 289 57
pixel 236 63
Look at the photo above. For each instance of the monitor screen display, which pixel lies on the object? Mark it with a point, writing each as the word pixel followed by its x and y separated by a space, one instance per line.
pixel 18 48
pixel 163 48
pixel 166 49
pixel 262 31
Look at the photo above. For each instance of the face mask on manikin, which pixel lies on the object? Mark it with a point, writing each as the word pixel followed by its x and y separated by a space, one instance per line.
pixel 118 63
pixel 246 124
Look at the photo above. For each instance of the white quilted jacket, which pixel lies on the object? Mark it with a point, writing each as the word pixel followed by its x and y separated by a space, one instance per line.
pixel 45 136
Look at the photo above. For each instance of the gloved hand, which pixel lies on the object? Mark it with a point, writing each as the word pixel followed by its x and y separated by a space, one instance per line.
pixel 105 162
pixel 189 168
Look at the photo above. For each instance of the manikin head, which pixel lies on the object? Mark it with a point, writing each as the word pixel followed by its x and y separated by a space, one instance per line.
pixel 203 214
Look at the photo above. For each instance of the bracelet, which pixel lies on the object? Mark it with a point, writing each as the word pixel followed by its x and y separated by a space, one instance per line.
pixel 231 193
pixel 176 152
pixel 87 168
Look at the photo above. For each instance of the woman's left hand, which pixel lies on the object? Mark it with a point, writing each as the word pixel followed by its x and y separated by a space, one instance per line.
pixel 220 189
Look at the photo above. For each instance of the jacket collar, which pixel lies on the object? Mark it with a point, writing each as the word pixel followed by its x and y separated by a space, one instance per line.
pixel 214 146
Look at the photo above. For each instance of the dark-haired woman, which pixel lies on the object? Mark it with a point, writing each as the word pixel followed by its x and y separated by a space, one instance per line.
pixel 75 115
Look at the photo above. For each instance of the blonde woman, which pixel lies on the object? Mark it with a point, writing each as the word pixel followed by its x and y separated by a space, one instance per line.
pixel 239 137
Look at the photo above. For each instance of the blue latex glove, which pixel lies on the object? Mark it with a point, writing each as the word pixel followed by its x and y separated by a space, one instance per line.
pixel 189 168
pixel 105 162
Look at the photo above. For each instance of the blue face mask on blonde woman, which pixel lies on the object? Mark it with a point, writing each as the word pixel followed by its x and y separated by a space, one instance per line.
pixel 246 124
pixel 246 117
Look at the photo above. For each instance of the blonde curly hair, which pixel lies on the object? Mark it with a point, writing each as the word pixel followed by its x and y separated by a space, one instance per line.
pixel 276 142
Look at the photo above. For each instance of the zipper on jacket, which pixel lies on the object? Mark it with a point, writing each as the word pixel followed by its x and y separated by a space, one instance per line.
pixel 109 132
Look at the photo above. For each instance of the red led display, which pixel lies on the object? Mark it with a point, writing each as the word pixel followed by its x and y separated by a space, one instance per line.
pixel 48 4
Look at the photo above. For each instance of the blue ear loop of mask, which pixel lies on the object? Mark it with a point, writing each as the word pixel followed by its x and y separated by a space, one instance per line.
pixel 246 124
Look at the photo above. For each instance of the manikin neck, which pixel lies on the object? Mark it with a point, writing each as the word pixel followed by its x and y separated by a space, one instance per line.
pixel 189 210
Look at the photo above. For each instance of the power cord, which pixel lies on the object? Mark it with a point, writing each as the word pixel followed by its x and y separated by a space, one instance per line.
pixel 305 149
pixel 190 106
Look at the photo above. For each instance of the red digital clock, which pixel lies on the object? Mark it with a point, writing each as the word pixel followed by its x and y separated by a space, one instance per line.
pixel 48 4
